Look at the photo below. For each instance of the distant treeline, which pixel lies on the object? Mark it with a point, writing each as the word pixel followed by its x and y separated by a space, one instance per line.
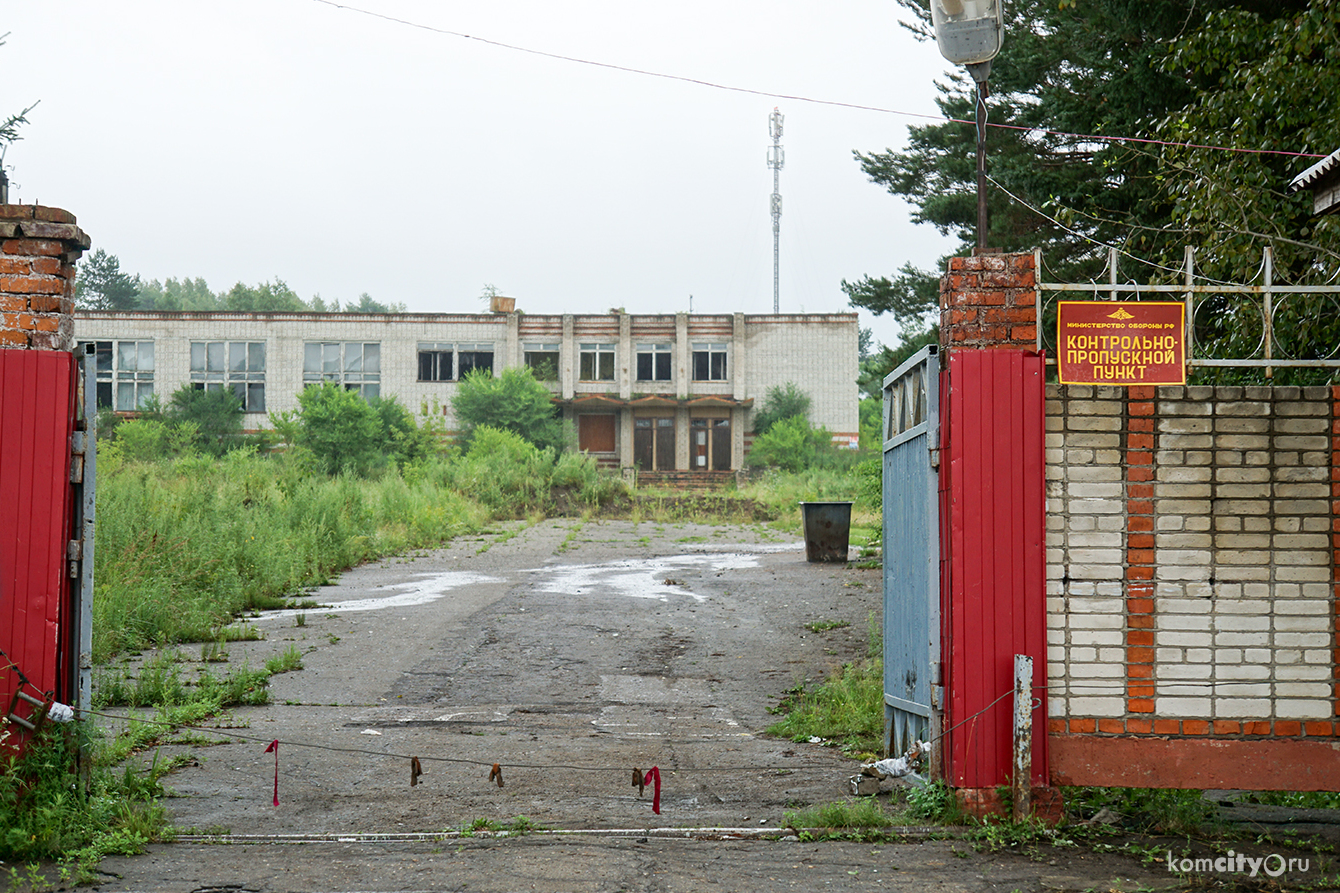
pixel 102 285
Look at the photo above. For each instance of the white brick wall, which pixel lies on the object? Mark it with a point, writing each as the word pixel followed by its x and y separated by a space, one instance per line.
pixel 817 351
pixel 1243 622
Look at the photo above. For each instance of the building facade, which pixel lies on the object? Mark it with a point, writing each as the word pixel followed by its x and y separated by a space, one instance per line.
pixel 665 393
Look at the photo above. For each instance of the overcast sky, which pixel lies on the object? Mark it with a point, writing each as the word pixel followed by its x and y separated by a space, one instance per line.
pixel 249 140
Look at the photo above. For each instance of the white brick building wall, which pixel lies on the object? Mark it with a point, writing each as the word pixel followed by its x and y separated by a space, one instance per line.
pixel 816 351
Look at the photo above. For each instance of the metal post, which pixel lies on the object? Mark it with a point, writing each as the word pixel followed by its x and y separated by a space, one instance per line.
pixel 1267 308
pixel 982 221
pixel 1037 299
pixel 1023 736
pixel 1190 254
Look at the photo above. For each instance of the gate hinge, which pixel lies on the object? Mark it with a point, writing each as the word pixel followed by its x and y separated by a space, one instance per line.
pixel 77 441
pixel 74 550
pixel 935 457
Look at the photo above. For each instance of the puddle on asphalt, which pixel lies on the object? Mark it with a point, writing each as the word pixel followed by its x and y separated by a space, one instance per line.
pixel 645 577
pixel 428 588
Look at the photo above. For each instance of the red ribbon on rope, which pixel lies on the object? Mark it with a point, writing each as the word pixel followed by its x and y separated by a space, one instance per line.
pixel 274 746
pixel 654 778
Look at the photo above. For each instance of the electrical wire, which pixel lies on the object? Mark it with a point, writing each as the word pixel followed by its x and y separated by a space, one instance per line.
pixel 1079 235
pixel 626 69
pixel 462 760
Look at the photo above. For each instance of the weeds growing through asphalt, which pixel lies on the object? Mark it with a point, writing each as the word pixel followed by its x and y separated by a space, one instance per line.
pixel 47 815
pixel 847 708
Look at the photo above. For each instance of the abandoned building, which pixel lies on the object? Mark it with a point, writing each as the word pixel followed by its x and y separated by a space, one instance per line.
pixel 660 393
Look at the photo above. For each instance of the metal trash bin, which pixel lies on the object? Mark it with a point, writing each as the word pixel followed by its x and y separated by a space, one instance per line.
pixel 827 530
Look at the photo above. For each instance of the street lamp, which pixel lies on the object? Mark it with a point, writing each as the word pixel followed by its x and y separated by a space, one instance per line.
pixel 969 33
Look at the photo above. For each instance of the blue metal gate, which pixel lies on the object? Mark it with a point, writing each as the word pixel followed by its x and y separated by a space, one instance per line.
pixel 911 550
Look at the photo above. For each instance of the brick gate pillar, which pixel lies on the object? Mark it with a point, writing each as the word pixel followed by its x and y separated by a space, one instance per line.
pixel 989 301
pixel 38 250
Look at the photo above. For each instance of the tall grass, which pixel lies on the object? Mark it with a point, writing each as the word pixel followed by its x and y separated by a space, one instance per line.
pixel 184 545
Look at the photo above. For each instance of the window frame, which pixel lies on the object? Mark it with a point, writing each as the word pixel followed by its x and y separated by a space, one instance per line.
pixel 536 355
pixel 474 350
pixel 343 367
pixel 711 357
pixel 109 375
pixel 656 354
pixel 437 351
pixel 598 358
pixel 247 382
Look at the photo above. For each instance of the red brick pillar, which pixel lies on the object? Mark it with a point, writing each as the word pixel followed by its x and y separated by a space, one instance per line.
pixel 989 300
pixel 1140 562
pixel 38 250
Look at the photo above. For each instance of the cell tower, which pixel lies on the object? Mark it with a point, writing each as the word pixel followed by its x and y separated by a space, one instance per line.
pixel 776 158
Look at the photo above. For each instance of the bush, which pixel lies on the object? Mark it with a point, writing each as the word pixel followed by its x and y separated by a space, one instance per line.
pixel 216 415
pixel 342 432
pixel 45 815
pixel 513 401
pixel 504 471
pixel 144 440
pixel 340 429
pixel 793 445
pixel 781 403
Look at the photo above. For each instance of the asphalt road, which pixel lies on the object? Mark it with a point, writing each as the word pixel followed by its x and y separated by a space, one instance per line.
pixel 567 654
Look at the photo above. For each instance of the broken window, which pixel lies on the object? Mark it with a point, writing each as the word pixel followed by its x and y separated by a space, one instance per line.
pixel 236 365
pixel 473 357
pixel 542 360
pixel 435 361
pixel 355 365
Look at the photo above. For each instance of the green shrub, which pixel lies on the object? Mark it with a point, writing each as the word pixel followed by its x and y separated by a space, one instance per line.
pixel 339 428
pixel 785 402
pixel 504 471
pixel 512 401
pixel 216 415
pixel 794 445
pixel 335 430
pixel 147 439
pixel 45 814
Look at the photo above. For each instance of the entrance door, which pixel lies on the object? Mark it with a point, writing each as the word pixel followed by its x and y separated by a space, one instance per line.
pixel 911 551
pixel 654 444
pixel 710 445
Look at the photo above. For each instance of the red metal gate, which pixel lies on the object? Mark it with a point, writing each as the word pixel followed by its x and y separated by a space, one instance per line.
pixel 37 407
pixel 993 541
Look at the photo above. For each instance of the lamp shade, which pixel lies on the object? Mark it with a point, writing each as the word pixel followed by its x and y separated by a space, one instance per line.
pixel 968 32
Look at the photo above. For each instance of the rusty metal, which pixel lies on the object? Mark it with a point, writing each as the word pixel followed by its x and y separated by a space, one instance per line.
pixel 1021 777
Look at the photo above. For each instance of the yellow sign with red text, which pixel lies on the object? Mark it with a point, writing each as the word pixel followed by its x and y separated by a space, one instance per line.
pixel 1121 343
